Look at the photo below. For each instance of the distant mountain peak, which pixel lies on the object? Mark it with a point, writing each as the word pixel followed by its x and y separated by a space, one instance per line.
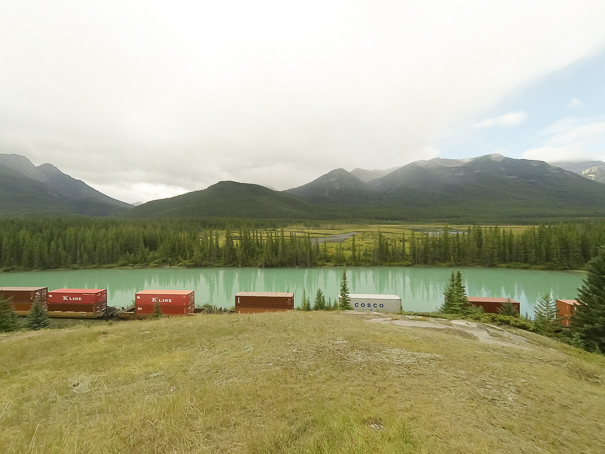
pixel 369 175
pixel 46 190
pixel 443 162
pixel 335 187
pixel 592 170
pixel 496 157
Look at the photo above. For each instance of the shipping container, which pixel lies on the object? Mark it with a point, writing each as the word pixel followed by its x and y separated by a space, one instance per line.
pixel 565 309
pixel 493 305
pixel 171 302
pixel 374 303
pixel 255 302
pixel 77 303
pixel 23 297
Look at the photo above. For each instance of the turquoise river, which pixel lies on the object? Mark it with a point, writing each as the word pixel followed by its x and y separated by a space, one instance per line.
pixel 420 288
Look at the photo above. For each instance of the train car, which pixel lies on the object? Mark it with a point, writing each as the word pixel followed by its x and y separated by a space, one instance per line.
pixel 171 302
pixel 375 303
pixel 493 305
pixel 565 309
pixel 23 297
pixel 255 302
pixel 77 303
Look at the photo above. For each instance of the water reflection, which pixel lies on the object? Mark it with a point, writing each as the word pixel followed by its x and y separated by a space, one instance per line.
pixel 421 289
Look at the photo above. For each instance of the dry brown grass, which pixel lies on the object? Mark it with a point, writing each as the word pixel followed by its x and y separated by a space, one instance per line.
pixel 293 383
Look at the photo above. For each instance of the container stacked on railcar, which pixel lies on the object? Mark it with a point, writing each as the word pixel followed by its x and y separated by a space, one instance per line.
pixel 23 297
pixel 171 302
pixel 77 303
pixel 565 310
pixel 255 302
pixel 375 302
pixel 493 305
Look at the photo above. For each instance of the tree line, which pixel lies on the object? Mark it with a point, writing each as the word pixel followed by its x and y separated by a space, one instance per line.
pixel 39 244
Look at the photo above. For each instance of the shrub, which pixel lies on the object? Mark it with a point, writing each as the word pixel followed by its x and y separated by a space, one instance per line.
pixel 38 316
pixel 8 317
pixel 508 309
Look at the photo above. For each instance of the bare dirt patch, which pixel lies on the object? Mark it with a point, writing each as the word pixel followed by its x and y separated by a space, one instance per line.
pixel 488 334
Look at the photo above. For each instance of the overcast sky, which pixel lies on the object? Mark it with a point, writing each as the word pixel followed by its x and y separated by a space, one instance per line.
pixel 147 99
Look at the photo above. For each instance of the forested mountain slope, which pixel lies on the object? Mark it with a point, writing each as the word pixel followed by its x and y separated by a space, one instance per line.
pixel 27 190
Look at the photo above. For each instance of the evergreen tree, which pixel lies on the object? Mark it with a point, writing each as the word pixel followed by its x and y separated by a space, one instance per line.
pixel 157 310
pixel 449 296
pixel 38 316
pixel 589 318
pixel 344 299
pixel 545 316
pixel 455 299
pixel 320 301
pixel 508 309
pixel 8 317
pixel 462 296
pixel 330 306
pixel 306 304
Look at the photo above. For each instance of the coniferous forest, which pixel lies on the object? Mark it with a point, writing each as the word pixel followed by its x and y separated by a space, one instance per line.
pixel 40 244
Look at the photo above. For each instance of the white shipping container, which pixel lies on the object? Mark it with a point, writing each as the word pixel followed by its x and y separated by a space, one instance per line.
pixel 375 303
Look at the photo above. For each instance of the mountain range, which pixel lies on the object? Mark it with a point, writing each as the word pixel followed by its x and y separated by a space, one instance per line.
pixel 489 188
pixel 27 190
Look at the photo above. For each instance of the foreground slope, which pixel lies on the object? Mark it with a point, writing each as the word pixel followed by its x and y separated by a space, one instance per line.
pixel 297 382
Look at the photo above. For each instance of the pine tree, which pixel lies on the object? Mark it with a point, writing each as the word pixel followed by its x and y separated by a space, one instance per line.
pixel 157 310
pixel 344 299
pixel 320 301
pixel 461 293
pixel 508 309
pixel 330 306
pixel 455 299
pixel 589 318
pixel 8 317
pixel 38 316
pixel 306 304
pixel 449 297
pixel 545 316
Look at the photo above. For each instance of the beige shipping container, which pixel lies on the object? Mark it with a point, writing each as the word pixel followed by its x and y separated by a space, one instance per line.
pixel 374 302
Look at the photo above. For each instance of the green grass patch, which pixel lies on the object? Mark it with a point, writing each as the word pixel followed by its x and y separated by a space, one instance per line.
pixel 293 383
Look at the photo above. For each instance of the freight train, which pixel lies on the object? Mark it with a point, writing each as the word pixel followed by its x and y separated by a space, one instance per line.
pixel 92 303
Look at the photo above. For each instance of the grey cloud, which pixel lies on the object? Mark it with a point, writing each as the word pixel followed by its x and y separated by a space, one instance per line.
pixel 184 94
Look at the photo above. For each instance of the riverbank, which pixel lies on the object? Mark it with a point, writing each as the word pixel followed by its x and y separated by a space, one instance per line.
pixel 297 382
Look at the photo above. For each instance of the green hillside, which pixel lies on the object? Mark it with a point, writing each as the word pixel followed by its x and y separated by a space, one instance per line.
pixel 23 197
pixel 235 200
pixel 297 383
pixel 337 187
pixel 29 191
pixel 489 188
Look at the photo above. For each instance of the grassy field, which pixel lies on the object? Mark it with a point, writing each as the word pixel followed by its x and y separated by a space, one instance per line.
pixel 295 383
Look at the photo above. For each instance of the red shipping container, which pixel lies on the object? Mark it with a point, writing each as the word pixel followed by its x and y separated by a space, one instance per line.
pixel 493 305
pixel 171 302
pixel 78 303
pixel 255 302
pixel 23 297
pixel 565 309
